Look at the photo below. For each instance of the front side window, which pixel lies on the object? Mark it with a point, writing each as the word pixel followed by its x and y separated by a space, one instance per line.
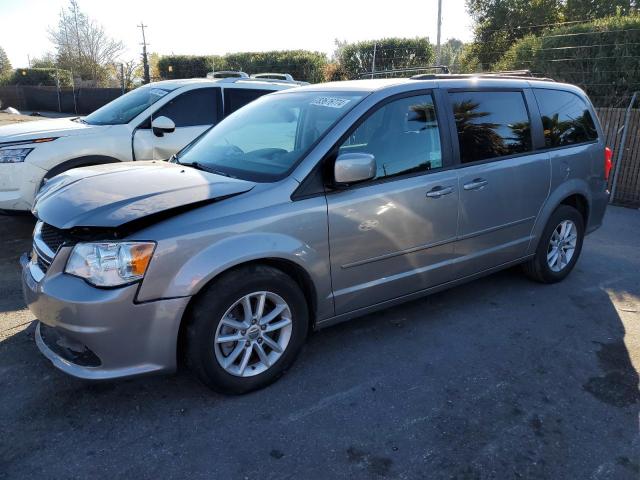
pixel 402 135
pixel 565 118
pixel 268 137
pixel 490 124
pixel 192 108
pixel 125 108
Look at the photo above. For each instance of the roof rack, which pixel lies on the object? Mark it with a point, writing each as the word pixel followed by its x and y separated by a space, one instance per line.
pixel 277 78
pixel 503 74
pixel 227 74
pixel 443 69
pixel 273 76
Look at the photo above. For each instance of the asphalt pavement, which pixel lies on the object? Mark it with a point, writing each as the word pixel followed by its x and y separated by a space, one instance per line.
pixel 499 378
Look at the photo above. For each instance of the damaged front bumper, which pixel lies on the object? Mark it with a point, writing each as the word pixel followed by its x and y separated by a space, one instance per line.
pixel 95 333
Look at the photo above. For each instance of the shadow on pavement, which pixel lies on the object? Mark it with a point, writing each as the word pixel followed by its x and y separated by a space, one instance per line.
pixel 498 378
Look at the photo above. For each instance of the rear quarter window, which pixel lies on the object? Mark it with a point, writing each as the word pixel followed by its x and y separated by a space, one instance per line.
pixel 566 118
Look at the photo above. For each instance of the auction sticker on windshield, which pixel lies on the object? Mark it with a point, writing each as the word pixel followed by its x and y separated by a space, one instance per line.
pixel 332 102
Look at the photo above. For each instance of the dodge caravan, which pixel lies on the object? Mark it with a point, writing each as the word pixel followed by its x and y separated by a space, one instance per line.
pixel 308 207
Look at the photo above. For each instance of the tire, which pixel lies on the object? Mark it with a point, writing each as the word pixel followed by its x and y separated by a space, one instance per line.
pixel 540 268
pixel 218 313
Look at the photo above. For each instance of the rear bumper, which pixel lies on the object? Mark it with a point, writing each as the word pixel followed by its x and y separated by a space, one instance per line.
pixel 599 202
pixel 99 334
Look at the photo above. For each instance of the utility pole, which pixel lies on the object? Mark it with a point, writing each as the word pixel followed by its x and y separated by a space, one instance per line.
pixel 145 61
pixel 438 48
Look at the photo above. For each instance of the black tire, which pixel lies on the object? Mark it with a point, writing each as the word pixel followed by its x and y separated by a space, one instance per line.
pixel 537 268
pixel 209 309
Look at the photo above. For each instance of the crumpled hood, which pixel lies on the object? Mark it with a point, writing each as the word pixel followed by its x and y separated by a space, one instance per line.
pixel 51 127
pixel 114 194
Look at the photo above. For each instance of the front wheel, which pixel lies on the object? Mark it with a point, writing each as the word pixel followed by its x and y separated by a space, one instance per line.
pixel 559 246
pixel 246 329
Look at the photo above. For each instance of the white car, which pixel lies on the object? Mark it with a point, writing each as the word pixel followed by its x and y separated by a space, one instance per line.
pixel 149 123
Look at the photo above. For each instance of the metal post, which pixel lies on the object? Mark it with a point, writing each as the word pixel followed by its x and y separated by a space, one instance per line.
pixel 616 167
pixel 373 63
pixel 122 76
pixel 438 47
pixel 58 90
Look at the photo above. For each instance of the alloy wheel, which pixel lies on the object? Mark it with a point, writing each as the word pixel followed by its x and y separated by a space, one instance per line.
pixel 253 334
pixel 562 245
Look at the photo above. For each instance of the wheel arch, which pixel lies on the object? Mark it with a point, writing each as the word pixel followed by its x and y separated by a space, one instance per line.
pixel 574 193
pixel 83 161
pixel 289 267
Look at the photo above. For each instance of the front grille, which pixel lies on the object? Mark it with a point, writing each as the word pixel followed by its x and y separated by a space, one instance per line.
pixel 52 237
pixel 43 264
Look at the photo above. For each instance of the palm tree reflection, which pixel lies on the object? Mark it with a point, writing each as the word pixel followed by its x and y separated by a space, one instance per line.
pixel 481 140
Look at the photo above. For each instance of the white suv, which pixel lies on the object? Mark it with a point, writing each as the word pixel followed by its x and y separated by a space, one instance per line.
pixel 149 123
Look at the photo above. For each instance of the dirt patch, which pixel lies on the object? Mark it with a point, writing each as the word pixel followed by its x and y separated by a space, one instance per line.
pixel 7 118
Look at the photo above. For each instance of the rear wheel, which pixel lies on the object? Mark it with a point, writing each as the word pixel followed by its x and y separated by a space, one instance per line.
pixel 246 329
pixel 559 246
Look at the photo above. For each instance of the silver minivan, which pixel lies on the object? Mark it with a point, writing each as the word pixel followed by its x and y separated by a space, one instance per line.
pixel 305 208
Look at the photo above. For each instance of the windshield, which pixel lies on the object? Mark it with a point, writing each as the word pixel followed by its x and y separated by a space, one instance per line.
pixel 264 140
pixel 125 108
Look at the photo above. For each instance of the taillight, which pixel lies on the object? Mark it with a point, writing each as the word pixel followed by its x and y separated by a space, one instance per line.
pixel 608 154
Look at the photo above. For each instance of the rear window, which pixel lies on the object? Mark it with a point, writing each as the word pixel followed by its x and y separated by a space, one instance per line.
pixel 565 118
pixel 236 98
pixel 490 124
pixel 192 108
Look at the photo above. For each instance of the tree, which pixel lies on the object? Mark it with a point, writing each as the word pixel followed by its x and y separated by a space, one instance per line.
pixel 499 23
pixel 579 10
pixel 82 45
pixel 5 64
pixel 356 59
pixel 48 60
pixel 449 52
pixel 599 56
pixel 130 69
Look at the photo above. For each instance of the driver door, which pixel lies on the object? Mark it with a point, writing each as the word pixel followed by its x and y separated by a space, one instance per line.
pixel 193 112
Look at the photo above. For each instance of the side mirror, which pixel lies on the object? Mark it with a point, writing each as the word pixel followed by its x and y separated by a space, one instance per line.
pixel 354 167
pixel 162 125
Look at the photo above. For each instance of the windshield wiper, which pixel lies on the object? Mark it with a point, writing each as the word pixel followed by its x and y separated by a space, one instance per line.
pixel 200 166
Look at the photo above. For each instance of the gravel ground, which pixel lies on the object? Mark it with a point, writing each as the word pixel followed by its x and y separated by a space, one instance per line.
pixel 500 378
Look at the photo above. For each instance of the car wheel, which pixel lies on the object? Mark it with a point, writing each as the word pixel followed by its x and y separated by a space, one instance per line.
pixel 246 329
pixel 559 247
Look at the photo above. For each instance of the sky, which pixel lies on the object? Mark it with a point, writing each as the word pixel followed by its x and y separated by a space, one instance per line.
pixel 218 27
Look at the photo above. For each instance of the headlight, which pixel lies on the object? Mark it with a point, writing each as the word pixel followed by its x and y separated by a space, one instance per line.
pixel 14 155
pixel 110 264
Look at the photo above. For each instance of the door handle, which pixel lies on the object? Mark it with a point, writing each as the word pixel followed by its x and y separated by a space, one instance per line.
pixel 437 192
pixel 476 184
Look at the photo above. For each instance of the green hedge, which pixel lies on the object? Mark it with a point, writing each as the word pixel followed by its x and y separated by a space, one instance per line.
pixel 40 77
pixel 391 53
pixel 301 64
pixel 600 56
pixel 187 66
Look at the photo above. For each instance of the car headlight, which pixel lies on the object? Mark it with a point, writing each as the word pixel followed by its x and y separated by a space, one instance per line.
pixel 14 155
pixel 110 264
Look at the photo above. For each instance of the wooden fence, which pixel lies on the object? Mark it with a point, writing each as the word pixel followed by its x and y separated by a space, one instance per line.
pixel 628 182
